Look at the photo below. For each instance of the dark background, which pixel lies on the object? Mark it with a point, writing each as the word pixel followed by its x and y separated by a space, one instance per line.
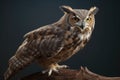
pixel 101 55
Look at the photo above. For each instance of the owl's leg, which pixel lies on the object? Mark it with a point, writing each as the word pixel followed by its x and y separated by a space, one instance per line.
pixel 54 67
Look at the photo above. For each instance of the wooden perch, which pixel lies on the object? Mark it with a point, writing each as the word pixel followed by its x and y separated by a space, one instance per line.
pixel 68 74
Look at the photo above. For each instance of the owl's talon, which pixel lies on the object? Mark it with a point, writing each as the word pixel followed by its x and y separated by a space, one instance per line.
pixel 49 71
pixel 62 66
pixel 45 71
pixel 54 67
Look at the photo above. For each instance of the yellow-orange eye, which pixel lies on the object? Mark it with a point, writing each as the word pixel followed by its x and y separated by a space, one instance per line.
pixel 75 18
pixel 88 19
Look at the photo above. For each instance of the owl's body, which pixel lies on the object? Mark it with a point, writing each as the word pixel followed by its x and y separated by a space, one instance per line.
pixel 54 43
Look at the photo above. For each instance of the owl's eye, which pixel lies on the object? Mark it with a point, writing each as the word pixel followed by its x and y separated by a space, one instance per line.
pixel 76 18
pixel 88 19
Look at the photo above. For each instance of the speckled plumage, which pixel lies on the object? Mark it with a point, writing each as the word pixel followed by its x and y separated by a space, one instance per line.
pixel 54 43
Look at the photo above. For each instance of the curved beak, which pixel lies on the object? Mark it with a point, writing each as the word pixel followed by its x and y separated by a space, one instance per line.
pixel 80 24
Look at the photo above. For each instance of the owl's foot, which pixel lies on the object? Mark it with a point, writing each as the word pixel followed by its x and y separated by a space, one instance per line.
pixel 54 67
pixel 61 66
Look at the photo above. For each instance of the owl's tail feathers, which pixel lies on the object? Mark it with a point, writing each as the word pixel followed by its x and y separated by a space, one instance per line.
pixel 8 74
pixel 15 65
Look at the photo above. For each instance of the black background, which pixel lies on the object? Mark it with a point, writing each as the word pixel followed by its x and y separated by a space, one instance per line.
pixel 101 55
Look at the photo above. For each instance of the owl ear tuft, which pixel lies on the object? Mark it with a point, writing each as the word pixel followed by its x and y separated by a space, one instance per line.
pixel 67 9
pixel 93 10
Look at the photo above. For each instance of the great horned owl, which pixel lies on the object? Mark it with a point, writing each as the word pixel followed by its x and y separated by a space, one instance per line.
pixel 54 43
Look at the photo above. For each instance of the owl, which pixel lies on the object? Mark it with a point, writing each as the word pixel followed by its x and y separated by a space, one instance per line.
pixel 54 43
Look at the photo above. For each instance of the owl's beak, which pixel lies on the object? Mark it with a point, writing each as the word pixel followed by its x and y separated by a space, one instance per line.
pixel 80 24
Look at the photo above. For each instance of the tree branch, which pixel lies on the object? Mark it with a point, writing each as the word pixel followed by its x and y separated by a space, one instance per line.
pixel 69 74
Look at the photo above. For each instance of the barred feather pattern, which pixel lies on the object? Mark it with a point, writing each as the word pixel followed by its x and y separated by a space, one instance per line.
pixel 18 61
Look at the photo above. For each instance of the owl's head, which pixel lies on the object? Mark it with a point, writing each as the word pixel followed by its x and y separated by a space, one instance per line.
pixel 80 17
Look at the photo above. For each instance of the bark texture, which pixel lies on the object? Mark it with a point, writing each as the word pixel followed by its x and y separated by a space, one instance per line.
pixel 69 74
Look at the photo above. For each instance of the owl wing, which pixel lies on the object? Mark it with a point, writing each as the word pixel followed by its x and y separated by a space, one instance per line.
pixel 48 40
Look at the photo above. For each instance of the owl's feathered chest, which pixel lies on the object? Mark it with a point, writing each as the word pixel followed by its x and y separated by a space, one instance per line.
pixel 74 40
pixel 57 44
